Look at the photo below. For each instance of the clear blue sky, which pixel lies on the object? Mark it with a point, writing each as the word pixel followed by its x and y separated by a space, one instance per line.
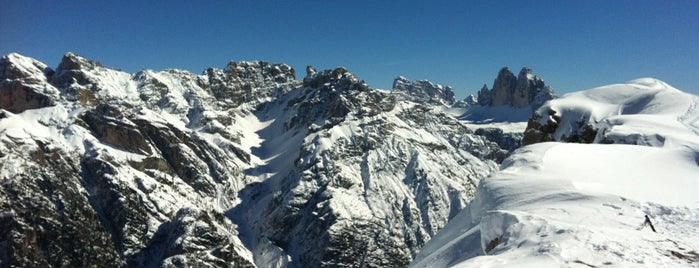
pixel 573 45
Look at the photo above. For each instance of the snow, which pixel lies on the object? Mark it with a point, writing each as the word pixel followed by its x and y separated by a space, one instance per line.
pixel 506 118
pixel 114 84
pixel 583 205
pixel 638 105
pixel 490 114
pixel 27 65
pixel 625 165
pixel 551 205
pixel 506 127
pixel 562 204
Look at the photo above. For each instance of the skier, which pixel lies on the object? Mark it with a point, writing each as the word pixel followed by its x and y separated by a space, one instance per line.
pixel 647 222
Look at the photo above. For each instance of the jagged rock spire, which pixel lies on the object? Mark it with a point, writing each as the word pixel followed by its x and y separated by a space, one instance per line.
pixel 524 90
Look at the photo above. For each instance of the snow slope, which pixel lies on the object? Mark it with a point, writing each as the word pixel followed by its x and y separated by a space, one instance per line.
pixel 630 113
pixel 245 166
pixel 583 205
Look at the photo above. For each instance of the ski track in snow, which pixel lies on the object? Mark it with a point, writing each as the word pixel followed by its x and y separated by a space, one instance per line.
pixel 691 117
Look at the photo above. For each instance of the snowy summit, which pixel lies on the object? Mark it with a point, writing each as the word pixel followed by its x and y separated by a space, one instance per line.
pixel 559 204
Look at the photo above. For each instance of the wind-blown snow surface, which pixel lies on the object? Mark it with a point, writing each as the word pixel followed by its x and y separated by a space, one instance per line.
pixel 557 204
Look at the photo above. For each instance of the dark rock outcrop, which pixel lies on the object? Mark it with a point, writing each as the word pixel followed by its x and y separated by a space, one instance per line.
pixel 537 132
pixel 524 90
pixel 23 84
pixel 582 131
pixel 485 96
pixel 242 82
pixel 503 88
pixel 47 220
pixel 507 141
pixel 74 69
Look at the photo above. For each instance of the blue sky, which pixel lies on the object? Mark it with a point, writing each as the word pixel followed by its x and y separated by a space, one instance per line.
pixel 573 45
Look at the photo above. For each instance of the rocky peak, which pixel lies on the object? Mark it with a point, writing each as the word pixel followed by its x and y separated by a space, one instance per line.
pixel 23 84
pixel 503 87
pixel 310 70
pixel 72 61
pixel 484 96
pixel 425 91
pixel 328 96
pixel 16 66
pixel 529 87
pixel 260 73
pixel 250 81
pixel 401 83
pixel 524 90
pixel 76 69
pixel 337 79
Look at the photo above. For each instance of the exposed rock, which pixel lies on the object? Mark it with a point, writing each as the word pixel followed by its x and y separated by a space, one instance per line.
pixel 187 241
pixel 425 91
pixel 47 219
pixel 16 97
pixel 74 69
pixel 162 168
pixel 23 84
pixel 537 132
pixel 259 73
pixel 503 88
pixel 525 90
pixel 245 81
pixel 116 131
pixel 310 71
pixel 507 141
pixel 485 97
pixel 332 94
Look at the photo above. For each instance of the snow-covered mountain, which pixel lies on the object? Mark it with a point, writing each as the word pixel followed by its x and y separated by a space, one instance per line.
pixel 559 204
pixel 240 166
pixel 249 166
pixel 644 111
pixel 425 91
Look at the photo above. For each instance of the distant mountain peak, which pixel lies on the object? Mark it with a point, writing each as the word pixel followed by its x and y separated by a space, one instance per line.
pixel 72 61
pixel 425 91
pixel 523 90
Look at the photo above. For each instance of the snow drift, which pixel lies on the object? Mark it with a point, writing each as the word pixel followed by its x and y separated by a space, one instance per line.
pixel 563 204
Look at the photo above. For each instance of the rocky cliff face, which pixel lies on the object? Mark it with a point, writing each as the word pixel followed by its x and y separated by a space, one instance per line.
pixel 25 86
pixel 241 166
pixel 524 90
pixel 425 91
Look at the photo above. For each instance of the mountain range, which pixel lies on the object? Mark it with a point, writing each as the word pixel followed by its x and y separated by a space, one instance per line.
pixel 248 166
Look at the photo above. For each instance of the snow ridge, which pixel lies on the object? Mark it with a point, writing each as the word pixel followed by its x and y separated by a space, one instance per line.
pixel 566 204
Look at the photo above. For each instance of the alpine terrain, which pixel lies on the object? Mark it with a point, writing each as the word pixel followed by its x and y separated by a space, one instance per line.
pixel 250 166
pixel 622 192
pixel 244 166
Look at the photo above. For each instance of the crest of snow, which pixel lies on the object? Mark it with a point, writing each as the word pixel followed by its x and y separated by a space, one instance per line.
pixel 28 65
pixel 556 204
pixel 35 69
pixel 566 204
pixel 638 107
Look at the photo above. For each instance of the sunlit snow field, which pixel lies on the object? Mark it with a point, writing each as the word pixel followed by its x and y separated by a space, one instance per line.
pixel 583 205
